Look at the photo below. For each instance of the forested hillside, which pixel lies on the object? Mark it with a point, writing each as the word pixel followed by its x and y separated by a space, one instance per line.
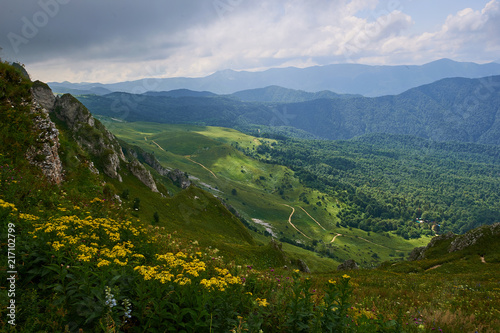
pixel 391 181
pixel 276 94
pixel 455 109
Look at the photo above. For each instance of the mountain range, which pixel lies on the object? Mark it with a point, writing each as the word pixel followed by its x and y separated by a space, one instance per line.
pixel 452 109
pixel 104 233
pixel 340 78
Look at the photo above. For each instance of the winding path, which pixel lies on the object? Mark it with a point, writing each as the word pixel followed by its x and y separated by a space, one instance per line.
pixel 334 237
pixel 204 167
pixel 433 267
pixel 157 145
pixel 366 240
pixel 290 221
pixel 312 218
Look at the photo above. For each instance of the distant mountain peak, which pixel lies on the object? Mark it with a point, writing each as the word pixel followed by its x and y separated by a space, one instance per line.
pixel 180 93
pixel 370 81
pixel 444 60
pixel 224 73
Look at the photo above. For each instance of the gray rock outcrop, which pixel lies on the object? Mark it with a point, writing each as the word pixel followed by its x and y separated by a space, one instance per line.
pixel 45 154
pixel 142 174
pixel 302 266
pixel 43 95
pixel 347 265
pixel 177 176
pixel 419 252
pixel 180 178
pixel 90 134
pixel 472 237
pixel 459 242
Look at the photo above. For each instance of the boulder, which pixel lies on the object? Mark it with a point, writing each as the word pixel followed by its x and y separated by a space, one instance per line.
pixel 348 265
pixel 302 266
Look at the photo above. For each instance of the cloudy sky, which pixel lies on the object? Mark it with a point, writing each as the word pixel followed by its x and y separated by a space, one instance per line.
pixel 118 40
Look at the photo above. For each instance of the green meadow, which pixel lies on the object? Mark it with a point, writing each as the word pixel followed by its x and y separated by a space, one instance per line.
pixel 263 192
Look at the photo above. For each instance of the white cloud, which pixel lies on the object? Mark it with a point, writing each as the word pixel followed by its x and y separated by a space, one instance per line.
pixel 279 33
pixel 467 35
pixel 188 39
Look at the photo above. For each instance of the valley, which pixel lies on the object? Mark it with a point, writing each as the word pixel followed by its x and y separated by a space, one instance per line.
pixel 259 190
pixel 138 226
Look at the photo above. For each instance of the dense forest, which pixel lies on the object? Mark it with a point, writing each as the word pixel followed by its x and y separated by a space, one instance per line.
pixel 396 182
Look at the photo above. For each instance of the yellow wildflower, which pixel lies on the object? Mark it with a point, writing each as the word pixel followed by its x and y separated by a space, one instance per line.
pixel 28 217
pixel 7 205
pixel 181 281
pixel 138 255
pixel 262 302
pixel 146 271
pixel 164 276
pixel 103 262
pixel 57 245
pixel 121 263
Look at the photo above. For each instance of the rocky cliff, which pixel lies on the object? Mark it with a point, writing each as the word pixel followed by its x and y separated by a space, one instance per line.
pixel 476 239
pixel 87 131
pixel 475 236
pixel 142 174
pixel 177 176
pixel 46 153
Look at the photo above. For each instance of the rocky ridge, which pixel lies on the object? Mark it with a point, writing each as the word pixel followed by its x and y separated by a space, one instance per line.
pixel 177 176
pixel 142 174
pixel 458 242
pixel 474 236
pixel 87 131
pixel 46 154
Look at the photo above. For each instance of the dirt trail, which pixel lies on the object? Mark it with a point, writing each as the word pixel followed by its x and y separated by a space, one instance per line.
pixel 433 267
pixel 290 221
pixel 312 218
pixel 204 167
pixel 366 240
pixel 153 141
pixel 337 235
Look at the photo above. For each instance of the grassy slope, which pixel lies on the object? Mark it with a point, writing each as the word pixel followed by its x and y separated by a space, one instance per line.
pixel 260 191
pixel 195 215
